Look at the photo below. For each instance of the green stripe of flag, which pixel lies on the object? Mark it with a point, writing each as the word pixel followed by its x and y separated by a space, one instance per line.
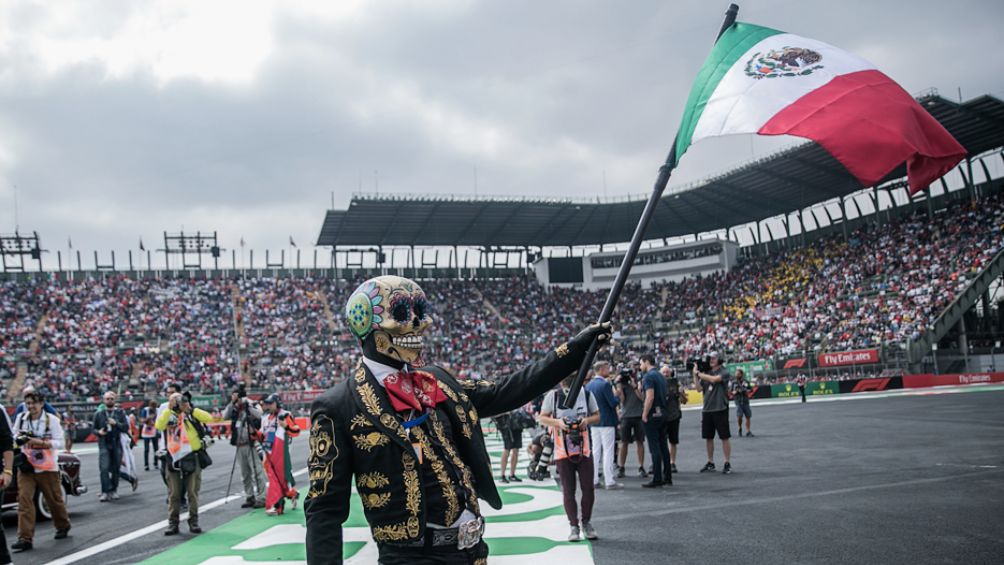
pixel 738 39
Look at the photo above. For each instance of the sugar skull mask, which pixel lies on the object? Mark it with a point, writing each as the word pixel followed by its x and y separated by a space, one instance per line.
pixel 394 312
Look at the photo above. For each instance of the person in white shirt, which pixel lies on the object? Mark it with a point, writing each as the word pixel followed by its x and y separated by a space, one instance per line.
pixel 39 435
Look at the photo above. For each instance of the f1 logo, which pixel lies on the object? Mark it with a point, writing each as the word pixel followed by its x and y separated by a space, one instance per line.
pixel 871 384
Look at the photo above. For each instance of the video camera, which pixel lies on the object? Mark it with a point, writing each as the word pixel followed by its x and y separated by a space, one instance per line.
pixel 703 364
pixel 624 378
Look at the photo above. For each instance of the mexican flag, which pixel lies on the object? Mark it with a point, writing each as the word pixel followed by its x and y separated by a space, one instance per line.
pixel 760 80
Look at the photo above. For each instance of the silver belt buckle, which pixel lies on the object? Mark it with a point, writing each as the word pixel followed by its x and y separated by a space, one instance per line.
pixel 469 533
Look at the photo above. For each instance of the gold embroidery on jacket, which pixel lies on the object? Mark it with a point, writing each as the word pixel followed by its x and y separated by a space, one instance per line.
pixel 369 441
pixel 464 426
pixel 360 373
pixel 412 490
pixel 369 397
pixel 465 470
pixel 562 350
pixel 406 530
pixel 372 480
pixel 323 453
pixel 392 423
pixel 449 391
pixel 439 469
pixel 374 500
pixel 359 421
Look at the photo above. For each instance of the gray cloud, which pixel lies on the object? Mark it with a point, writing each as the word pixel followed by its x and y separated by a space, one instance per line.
pixel 543 98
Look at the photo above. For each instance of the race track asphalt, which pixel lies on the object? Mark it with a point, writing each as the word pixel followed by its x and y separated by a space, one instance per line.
pixel 902 479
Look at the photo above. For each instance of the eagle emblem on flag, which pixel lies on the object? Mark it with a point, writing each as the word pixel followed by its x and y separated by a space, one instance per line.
pixel 788 62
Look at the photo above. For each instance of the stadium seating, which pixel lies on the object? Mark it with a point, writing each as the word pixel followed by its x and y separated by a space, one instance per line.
pixel 884 284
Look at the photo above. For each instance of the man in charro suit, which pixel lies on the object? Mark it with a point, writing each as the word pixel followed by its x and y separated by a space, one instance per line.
pixel 410 434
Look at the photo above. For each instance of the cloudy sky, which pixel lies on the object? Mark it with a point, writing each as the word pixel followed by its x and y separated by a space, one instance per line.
pixel 121 119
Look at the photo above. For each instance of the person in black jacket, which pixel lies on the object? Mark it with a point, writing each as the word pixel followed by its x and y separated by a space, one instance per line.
pixel 109 425
pixel 410 434
pixel 7 474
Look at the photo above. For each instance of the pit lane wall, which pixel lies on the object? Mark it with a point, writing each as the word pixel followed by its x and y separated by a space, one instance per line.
pixel 853 386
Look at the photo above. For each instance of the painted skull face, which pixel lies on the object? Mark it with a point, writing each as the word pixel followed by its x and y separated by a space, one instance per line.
pixel 395 311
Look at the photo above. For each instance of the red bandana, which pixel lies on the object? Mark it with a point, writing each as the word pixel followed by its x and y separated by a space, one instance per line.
pixel 416 390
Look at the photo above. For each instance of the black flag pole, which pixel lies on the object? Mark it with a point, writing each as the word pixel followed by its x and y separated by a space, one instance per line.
pixel 639 233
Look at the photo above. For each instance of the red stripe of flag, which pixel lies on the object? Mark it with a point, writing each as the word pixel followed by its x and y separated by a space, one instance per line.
pixel 871 125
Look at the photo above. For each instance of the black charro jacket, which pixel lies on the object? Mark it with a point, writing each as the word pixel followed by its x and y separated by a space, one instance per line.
pixel 355 432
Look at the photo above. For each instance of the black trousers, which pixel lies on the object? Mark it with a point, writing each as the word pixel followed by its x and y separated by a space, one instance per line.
pixel 394 555
pixel 657 434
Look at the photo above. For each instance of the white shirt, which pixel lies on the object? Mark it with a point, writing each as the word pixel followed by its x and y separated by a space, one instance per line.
pixel 381 371
pixel 37 427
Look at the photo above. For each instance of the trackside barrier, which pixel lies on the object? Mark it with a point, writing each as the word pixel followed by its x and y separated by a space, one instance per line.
pixel 927 380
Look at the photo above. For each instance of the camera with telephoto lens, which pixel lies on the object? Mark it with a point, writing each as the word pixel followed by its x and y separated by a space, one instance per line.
pixel 537 470
pixel 575 430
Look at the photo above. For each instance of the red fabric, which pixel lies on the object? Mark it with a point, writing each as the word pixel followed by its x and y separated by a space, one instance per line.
pixel 871 125
pixel 416 390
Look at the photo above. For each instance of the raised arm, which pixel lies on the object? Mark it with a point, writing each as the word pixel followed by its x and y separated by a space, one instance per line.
pixel 512 391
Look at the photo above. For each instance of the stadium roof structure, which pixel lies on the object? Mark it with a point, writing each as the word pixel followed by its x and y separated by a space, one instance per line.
pixel 785 182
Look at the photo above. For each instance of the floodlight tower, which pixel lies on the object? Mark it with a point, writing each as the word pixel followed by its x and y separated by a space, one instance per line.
pixel 191 248
pixel 14 248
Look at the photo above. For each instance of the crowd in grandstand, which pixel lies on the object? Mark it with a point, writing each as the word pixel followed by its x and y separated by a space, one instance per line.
pixel 884 284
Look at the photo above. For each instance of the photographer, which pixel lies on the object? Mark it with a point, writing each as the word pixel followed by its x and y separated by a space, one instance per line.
pixel 38 435
pixel 653 417
pixel 715 416
pixel 603 435
pixel 512 442
pixel 182 426
pixel 245 421
pixel 147 418
pixel 675 396
pixel 741 395
pixel 631 429
pixel 109 425
pixel 570 435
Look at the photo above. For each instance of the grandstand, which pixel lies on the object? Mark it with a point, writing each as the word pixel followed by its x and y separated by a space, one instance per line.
pixel 918 272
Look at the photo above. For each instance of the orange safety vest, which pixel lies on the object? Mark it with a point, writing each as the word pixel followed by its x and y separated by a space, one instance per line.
pixel 560 449
pixel 178 444
pixel 43 460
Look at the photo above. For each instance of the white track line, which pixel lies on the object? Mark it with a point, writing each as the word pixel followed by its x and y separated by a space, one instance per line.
pixel 105 546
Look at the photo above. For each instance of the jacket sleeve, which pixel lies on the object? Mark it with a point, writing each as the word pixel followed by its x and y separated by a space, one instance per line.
pixel 6 437
pixel 512 391
pixel 161 423
pixel 330 472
